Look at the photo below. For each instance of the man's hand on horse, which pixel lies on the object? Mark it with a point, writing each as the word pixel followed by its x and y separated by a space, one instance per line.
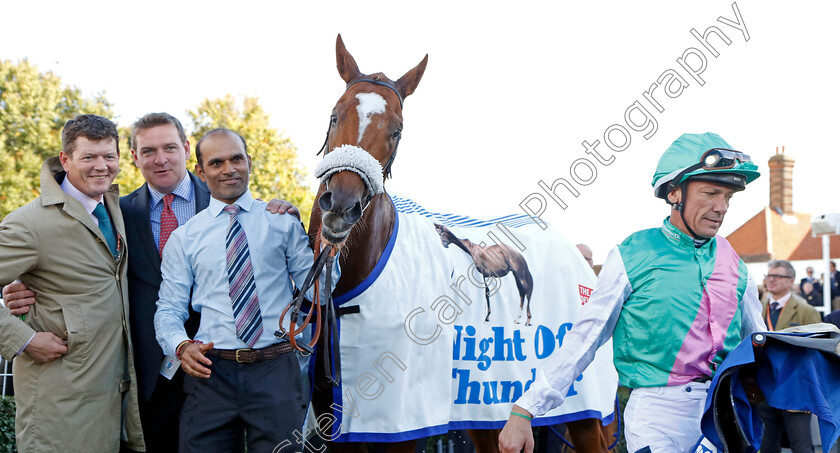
pixel 193 360
pixel 517 435
pixel 276 206
pixel 18 298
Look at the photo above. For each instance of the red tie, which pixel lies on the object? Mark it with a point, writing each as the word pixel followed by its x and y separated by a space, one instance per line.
pixel 168 221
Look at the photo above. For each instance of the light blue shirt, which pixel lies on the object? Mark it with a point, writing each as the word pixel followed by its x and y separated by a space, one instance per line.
pixel 194 259
pixel 183 205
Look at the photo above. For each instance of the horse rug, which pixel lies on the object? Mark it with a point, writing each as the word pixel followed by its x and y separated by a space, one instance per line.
pixel 422 356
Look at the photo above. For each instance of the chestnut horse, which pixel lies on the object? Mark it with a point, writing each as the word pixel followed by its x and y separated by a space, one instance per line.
pixel 347 213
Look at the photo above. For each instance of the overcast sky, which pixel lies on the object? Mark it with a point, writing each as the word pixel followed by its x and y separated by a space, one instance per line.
pixel 509 95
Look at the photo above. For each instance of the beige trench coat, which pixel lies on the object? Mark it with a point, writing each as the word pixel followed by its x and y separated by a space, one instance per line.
pixel 74 403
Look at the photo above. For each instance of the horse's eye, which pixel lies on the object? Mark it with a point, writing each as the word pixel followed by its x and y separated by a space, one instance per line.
pixel 333 119
pixel 396 134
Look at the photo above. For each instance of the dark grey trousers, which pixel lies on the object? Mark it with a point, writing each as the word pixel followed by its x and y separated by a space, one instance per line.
pixel 796 425
pixel 261 399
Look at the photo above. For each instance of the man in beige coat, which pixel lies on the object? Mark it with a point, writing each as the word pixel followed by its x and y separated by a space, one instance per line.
pixel 74 375
pixel 783 309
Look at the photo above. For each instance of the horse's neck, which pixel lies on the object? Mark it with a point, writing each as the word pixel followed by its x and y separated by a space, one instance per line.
pixel 366 243
pixel 463 244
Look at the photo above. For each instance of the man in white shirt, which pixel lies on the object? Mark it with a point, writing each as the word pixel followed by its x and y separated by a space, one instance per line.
pixel 233 262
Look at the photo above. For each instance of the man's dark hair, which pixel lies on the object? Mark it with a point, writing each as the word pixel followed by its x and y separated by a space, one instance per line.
pixel 218 130
pixel 151 120
pixel 93 127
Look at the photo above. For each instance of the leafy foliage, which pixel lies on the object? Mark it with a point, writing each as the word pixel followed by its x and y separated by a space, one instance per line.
pixel 7 425
pixel 130 177
pixel 276 173
pixel 33 108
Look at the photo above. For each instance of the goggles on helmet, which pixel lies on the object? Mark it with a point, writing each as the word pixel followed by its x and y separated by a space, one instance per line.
pixel 720 158
pixel 713 159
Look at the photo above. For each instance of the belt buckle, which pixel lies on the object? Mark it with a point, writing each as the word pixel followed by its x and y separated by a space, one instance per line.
pixel 236 355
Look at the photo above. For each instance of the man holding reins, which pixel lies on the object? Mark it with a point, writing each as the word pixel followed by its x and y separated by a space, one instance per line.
pixel 675 299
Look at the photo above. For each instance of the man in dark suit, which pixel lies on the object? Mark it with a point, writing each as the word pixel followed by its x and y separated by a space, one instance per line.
pixel 170 197
pixel 160 150
pixel 809 278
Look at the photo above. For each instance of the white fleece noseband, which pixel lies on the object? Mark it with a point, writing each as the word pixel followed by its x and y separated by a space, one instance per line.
pixel 355 159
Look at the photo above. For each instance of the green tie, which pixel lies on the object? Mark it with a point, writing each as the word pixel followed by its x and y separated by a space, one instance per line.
pixel 105 225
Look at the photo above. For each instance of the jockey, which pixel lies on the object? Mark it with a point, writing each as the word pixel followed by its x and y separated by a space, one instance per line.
pixel 675 299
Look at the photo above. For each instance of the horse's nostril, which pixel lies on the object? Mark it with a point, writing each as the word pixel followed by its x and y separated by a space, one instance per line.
pixel 355 213
pixel 325 202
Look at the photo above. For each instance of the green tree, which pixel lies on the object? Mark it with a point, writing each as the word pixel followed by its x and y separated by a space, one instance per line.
pixel 130 177
pixel 276 172
pixel 33 109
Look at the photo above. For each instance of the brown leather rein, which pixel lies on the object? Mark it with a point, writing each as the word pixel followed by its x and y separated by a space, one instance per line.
pixel 324 259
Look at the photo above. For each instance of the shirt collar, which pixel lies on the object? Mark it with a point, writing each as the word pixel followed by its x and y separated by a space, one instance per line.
pixel 184 189
pixel 245 201
pixel 87 202
pixel 674 235
pixel 782 300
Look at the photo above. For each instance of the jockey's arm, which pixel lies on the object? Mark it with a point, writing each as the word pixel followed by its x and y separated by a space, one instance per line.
pixel 751 318
pixel 594 327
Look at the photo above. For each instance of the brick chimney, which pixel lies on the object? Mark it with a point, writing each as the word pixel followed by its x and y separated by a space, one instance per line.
pixel 781 182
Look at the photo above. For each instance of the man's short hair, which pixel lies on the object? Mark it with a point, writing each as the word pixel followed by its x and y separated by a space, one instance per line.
pixel 785 264
pixel 151 120
pixel 218 130
pixel 93 127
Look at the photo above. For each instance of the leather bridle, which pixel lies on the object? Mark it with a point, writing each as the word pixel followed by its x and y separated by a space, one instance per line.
pixel 325 259
pixel 375 80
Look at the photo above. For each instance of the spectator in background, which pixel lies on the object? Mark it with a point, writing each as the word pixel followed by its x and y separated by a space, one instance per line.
pixel 783 309
pixel 811 294
pixel 809 278
pixel 587 254
pixel 834 278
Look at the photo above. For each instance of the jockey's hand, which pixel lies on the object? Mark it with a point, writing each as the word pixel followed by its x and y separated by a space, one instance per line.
pixel 276 206
pixel 517 434
pixel 193 360
pixel 18 298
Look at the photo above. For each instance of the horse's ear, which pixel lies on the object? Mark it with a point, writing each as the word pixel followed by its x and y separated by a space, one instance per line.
pixel 408 82
pixel 347 67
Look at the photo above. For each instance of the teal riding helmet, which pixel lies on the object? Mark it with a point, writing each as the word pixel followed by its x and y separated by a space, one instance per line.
pixel 702 157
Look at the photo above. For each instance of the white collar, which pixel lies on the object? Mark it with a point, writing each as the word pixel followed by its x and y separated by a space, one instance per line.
pixel 87 202
pixel 782 300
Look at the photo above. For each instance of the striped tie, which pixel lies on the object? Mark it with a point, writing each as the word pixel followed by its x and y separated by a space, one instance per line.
pixel 243 290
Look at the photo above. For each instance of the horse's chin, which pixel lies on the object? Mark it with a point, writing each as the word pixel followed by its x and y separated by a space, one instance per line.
pixel 333 238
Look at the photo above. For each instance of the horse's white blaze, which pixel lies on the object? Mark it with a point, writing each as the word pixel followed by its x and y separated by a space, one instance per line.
pixel 369 104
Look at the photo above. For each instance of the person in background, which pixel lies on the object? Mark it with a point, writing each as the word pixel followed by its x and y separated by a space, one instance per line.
pixel 809 278
pixel 783 309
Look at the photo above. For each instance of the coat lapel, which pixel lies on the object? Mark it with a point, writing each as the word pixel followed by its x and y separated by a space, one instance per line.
pixel 142 223
pixel 51 194
pixel 788 314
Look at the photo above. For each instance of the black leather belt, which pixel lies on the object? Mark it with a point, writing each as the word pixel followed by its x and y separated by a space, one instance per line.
pixel 252 355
